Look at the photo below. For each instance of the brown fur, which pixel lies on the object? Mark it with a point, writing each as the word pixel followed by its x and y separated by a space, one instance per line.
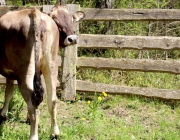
pixel 23 56
pixel 29 44
pixel 37 95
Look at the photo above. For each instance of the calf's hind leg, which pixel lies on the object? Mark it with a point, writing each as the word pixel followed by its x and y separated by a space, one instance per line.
pixel 51 80
pixel 26 88
pixel 8 97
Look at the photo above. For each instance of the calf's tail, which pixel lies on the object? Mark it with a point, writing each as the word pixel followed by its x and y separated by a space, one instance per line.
pixel 37 95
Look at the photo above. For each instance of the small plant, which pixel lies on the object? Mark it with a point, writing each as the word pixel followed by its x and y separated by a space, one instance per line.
pixel 16 108
pixel 94 106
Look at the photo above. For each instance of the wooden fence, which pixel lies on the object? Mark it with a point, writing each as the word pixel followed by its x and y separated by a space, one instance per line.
pixel 69 60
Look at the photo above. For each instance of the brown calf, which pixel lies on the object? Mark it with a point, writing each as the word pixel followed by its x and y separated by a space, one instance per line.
pixel 29 44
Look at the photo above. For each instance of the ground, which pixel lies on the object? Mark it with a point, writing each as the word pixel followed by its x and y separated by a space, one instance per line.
pixel 106 118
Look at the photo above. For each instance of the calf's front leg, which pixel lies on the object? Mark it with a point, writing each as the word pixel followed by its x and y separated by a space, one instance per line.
pixel 8 96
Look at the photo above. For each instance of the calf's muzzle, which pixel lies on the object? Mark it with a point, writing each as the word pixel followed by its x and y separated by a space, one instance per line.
pixel 71 40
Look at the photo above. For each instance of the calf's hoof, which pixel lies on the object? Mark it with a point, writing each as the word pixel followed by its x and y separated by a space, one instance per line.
pixel 28 121
pixel 54 137
pixel 2 119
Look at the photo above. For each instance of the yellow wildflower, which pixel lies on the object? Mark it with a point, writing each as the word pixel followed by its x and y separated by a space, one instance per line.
pixel 89 102
pixel 83 119
pixel 99 98
pixel 104 93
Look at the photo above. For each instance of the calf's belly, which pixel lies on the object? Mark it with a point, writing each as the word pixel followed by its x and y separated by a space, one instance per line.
pixel 8 73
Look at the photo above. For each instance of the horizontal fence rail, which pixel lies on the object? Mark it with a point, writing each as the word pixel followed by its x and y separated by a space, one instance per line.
pixel 129 42
pixel 93 14
pixel 116 89
pixel 145 65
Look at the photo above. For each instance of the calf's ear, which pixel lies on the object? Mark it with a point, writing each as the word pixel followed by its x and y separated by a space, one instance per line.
pixel 79 15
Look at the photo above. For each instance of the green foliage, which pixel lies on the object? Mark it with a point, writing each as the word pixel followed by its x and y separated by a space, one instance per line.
pixel 141 4
pixel 15 106
pixel 14 2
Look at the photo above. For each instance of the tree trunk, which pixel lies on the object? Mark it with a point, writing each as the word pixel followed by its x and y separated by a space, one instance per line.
pixel 104 4
pixel 25 2
pixel 109 4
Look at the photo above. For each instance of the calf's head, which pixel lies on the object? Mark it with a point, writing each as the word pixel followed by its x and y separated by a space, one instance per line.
pixel 64 21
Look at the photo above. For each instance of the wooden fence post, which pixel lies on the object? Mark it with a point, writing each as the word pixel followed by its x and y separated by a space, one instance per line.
pixel 69 64
pixel 68 82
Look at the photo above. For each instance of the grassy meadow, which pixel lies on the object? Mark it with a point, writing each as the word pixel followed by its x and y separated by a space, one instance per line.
pixel 99 117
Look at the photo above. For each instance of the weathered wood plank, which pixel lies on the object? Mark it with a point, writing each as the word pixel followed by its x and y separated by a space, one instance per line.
pixel 116 89
pixel 93 14
pixel 2 80
pixel 146 65
pixel 129 42
pixel 115 14
pixel 46 8
pixel 69 65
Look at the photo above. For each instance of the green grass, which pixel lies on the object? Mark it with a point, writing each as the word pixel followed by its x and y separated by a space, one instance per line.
pixel 131 78
pixel 113 118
